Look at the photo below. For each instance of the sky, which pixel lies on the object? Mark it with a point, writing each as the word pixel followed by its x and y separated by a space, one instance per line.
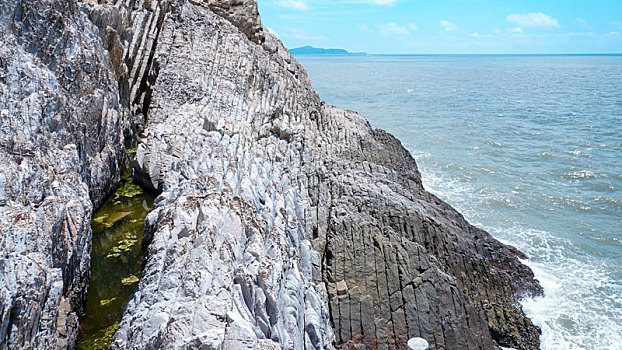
pixel 448 27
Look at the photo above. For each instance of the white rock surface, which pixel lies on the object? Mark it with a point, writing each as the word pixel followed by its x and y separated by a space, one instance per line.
pixel 229 261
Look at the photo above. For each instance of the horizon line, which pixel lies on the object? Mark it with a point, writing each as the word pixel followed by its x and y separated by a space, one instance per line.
pixel 354 53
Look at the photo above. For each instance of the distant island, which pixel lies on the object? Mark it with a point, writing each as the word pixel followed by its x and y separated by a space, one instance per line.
pixel 310 50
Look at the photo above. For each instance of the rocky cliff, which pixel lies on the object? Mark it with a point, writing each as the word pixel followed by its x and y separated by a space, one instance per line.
pixel 282 222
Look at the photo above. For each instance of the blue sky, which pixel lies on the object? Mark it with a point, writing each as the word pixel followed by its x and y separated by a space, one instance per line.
pixel 448 27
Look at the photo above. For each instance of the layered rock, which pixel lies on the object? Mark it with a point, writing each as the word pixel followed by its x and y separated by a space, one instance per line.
pixel 60 151
pixel 129 30
pixel 401 263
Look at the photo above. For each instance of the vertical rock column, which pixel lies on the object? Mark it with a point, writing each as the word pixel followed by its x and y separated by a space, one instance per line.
pixel 229 262
pixel 401 263
pixel 276 211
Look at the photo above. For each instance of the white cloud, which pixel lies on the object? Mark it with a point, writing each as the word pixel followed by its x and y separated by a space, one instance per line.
pixel 613 33
pixel 497 30
pixel 515 30
pixel 413 27
pixel 479 35
pixel 617 24
pixel 292 4
pixel 534 20
pixel 449 27
pixel 365 28
pixel 305 4
pixel 571 34
pixel 391 29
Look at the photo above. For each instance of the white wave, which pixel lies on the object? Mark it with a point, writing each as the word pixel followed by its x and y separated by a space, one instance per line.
pixel 572 314
pixel 579 153
pixel 582 306
pixel 583 174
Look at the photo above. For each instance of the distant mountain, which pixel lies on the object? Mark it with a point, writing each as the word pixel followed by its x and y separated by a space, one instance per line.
pixel 310 50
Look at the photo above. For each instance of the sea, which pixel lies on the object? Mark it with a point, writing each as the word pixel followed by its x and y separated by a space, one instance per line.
pixel 527 147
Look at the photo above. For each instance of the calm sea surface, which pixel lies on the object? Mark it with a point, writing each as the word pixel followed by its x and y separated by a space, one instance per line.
pixel 526 147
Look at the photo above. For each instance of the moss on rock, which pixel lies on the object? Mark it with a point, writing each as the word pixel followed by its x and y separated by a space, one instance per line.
pixel 100 340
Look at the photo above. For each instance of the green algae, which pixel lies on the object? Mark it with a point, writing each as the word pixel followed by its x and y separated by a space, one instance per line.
pixel 129 280
pixel 116 260
pixel 127 190
pixel 123 246
pixel 100 340
pixel 106 302
pixel 107 220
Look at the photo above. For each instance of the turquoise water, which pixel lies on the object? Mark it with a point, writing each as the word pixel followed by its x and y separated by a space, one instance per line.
pixel 528 148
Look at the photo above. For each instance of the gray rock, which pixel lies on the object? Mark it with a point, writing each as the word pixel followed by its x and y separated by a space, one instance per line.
pixel 227 240
pixel 425 268
pixel 243 14
pixel 60 153
pixel 129 30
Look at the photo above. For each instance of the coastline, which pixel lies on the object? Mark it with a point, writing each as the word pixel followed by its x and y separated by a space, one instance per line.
pixel 281 220
pixel 486 148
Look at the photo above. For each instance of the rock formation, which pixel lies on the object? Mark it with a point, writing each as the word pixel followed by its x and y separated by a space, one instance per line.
pixel 282 222
pixel 61 144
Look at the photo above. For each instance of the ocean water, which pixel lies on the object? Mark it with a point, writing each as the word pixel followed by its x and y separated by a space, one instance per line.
pixel 526 147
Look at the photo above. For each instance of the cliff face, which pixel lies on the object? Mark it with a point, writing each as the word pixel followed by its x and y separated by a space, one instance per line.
pixel 271 197
pixel 282 222
pixel 60 150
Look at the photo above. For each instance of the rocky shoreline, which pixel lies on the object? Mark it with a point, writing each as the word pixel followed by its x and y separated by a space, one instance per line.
pixel 281 221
